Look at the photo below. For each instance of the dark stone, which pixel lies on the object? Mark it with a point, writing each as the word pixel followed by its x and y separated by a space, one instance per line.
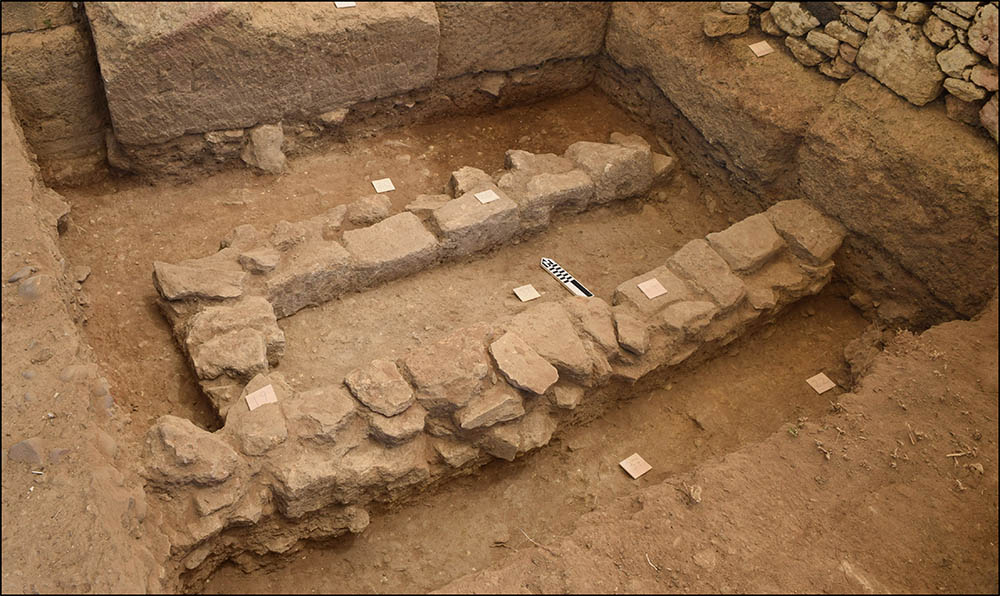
pixel 824 11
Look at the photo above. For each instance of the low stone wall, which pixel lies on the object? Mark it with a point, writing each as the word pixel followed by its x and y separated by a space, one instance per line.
pixel 916 189
pixel 917 49
pixel 50 67
pixel 224 307
pixel 309 465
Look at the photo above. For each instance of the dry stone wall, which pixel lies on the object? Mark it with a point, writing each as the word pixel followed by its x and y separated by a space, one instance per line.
pixel 224 307
pixel 309 465
pixel 918 49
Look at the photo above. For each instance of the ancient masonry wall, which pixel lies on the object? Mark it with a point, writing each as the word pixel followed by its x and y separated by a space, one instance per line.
pixel 917 49
pixel 313 463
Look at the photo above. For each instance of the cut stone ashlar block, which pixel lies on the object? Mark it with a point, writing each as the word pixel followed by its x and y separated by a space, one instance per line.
pixel 699 264
pixel 466 225
pixel 545 193
pixel 618 171
pixel 811 235
pixel 748 244
pixel 312 274
pixel 630 295
pixel 663 165
pixel 468 179
pixel 391 249
pixel 180 282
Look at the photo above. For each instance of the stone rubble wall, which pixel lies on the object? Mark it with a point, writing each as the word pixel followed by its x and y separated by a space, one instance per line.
pixel 916 189
pixel 72 497
pixel 50 68
pixel 310 465
pixel 917 49
pixel 224 307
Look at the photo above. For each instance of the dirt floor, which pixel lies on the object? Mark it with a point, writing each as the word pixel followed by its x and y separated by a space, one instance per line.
pixel 733 404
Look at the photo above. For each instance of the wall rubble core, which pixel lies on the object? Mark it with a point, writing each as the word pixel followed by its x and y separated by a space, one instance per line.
pixel 311 463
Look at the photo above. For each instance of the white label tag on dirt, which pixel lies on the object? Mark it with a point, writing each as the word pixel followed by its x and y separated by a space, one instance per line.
pixel 264 395
pixel 487 196
pixel 821 383
pixel 345 4
pixel 635 465
pixel 383 185
pixel 761 49
pixel 526 293
pixel 652 288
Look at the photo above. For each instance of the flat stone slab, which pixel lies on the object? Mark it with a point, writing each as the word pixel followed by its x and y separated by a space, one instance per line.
pixel 690 316
pixel 314 273
pixel 450 371
pixel 747 244
pixel 467 225
pixel 545 193
pixel 522 366
pixel 423 205
pixel 380 387
pixel 811 235
pixel 633 334
pixel 260 260
pixel 628 292
pixel 706 269
pixel 489 409
pixel 392 248
pixel 548 329
pixel 178 282
pixel 618 171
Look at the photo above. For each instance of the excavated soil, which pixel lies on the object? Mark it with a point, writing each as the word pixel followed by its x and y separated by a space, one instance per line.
pixel 495 518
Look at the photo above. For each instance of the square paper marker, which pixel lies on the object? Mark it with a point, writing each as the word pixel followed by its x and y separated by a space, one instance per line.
pixel 264 395
pixel 345 4
pixel 652 288
pixel 635 465
pixel 761 48
pixel 487 196
pixel 383 185
pixel 526 293
pixel 821 383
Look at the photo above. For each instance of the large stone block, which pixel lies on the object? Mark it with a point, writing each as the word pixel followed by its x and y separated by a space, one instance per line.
pixel 451 371
pixel 917 191
pixel 467 225
pixel 314 273
pixel 178 452
pixel 548 329
pixel 498 36
pixel 628 292
pixel 392 248
pixel 173 69
pixel 521 365
pixel 701 265
pixel 812 236
pixel 34 16
pixel 747 244
pixel 253 311
pixel 178 282
pixel 618 171
pixel 380 387
pixel 898 55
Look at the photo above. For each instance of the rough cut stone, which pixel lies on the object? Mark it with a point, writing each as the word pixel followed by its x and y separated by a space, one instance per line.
pixel 250 312
pixel 178 282
pixel 380 387
pixel 369 210
pixel 521 365
pixel 848 52
pixel 633 334
pixel 392 248
pixel 328 222
pixel 178 452
pixel 734 7
pixel 423 205
pixel 792 18
pixel 663 167
pixel 264 149
pixel 629 293
pixel 963 111
pixel 533 33
pixel 865 10
pixel 954 61
pixel 841 32
pixel 950 17
pixel 964 90
pixel 29 451
pixel 467 225
pixel 636 141
pixel 618 172
pixel 239 354
pixel 592 317
pixel 566 397
pixel 747 244
pixel 988 116
pixel 545 193
pixel 320 414
pixel 286 235
pixel 490 408
pixel 838 68
pixel 396 430
pixel 689 317
pixel 811 235
pixel 939 32
pixel 717 24
pixel 314 273
pixel 468 179
pixel 455 454
pixel 547 328
pixel 803 52
pixel 984 77
pixel 898 56
pixel 449 372
pixel 914 12
pixel 505 441
pixel 983 36
pixel 260 260
pixel 262 429
pixel 706 269
pixel 823 42
pixel 265 62
pixel 767 25
pixel 242 237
